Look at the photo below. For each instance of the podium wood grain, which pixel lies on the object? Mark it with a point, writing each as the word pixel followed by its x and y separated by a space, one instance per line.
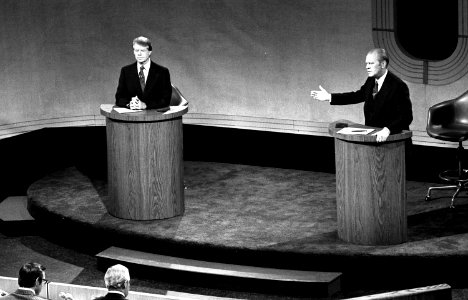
pixel 145 165
pixel 371 189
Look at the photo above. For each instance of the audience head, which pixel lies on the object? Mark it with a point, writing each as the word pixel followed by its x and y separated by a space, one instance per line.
pixel 377 62
pixel 117 278
pixel 32 275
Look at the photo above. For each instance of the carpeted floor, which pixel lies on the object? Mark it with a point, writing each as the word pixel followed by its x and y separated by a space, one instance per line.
pixel 280 217
pixel 247 207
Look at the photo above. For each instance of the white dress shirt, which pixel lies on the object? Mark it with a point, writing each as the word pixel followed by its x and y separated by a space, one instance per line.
pixel 146 68
pixel 380 81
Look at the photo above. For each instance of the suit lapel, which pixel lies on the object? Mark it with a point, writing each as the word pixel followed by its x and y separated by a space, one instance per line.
pixel 386 87
pixel 369 85
pixel 152 75
pixel 134 77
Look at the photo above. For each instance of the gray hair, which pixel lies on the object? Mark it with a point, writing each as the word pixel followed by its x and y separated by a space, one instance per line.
pixel 116 276
pixel 381 54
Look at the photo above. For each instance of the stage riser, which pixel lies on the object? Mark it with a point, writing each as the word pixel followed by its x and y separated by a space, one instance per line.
pixel 72 205
pixel 85 147
pixel 223 276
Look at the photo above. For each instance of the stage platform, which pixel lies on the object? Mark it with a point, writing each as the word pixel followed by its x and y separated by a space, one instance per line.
pixel 265 217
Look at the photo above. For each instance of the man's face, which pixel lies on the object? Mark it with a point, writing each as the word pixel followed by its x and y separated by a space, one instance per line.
pixel 38 287
pixel 142 53
pixel 374 68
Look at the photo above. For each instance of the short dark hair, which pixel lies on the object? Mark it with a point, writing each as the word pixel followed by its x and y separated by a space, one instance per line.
pixel 143 41
pixel 29 273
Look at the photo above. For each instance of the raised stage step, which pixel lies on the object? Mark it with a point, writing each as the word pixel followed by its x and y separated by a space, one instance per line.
pixel 311 282
pixel 15 219
pixel 433 292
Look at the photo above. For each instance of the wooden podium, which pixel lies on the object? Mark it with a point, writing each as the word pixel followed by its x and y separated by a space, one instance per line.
pixel 145 163
pixel 370 186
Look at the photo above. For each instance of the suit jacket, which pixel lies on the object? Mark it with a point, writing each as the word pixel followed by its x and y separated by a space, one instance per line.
pixel 22 295
pixel 158 89
pixel 390 108
pixel 111 296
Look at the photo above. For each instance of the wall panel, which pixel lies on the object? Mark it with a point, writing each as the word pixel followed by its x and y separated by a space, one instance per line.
pixel 234 60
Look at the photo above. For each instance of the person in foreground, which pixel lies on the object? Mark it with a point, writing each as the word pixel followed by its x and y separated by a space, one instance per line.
pixel 386 97
pixel 117 280
pixel 143 84
pixel 31 280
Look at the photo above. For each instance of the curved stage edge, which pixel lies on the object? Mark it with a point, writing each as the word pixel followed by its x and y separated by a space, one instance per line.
pixel 259 216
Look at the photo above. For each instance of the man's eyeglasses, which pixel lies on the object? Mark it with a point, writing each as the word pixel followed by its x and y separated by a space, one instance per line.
pixel 45 284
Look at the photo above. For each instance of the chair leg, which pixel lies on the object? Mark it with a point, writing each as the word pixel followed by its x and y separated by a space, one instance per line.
pixel 429 190
pixel 460 177
pixel 460 187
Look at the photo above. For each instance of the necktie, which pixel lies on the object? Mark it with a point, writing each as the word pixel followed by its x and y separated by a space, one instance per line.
pixel 142 78
pixel 376 89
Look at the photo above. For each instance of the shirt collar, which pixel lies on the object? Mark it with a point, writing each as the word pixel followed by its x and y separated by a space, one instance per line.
pixel 145 65
pixel 116 292
pixel 381 80
pixel 23 289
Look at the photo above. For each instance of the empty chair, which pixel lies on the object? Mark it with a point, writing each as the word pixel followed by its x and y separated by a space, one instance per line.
pixel 448 121
pixel 177 99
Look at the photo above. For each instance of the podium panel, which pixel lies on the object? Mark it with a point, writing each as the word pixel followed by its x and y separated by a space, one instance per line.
pixel 145 164
pixel 370 187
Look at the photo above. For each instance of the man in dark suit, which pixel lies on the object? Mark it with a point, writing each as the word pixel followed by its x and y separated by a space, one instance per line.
pixel 143 84
pixel 386 97
pixel 117 280
pixel 31 280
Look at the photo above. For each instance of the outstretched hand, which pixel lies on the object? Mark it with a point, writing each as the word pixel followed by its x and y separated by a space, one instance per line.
pixel 321 95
